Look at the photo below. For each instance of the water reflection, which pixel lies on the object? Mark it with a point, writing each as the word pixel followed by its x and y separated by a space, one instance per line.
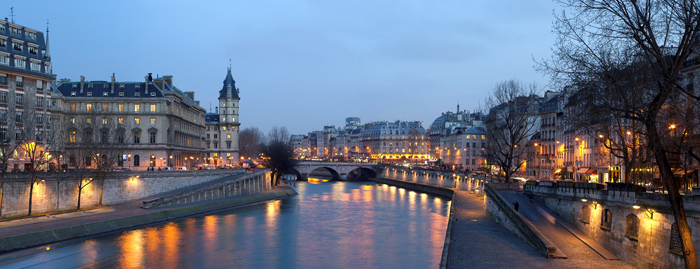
pixel 328 225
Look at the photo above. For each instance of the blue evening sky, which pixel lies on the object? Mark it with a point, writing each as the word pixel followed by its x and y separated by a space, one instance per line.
pixel 304 64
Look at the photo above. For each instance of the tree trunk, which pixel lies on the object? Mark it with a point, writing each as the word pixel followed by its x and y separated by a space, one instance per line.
pixel 80 191
pixel 31 192
pixel 102 187
pixel 673 196
pixel 2 195
pixel 58 195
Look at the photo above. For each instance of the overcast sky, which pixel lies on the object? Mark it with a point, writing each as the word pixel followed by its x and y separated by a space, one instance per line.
pixel 304 64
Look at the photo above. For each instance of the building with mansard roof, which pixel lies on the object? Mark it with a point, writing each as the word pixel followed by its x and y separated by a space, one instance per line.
pixel 153 123
pixel 222 126
pixel 25 87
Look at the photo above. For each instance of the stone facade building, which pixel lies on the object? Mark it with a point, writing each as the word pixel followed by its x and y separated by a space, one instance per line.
pixel 222 127
pixel 25 89
pixel 154 123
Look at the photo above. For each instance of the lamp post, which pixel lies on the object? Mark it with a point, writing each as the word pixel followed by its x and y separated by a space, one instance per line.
pixel 129 161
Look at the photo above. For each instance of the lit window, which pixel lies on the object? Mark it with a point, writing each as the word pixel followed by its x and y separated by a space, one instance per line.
pixel 72 120
pixel 88 120
pixel 104 94
pixel 121 94
pixel 136 121
pixel 104 107
pixel 104 120
pixel 121 107
pixel 89 93
pixel 153 120
pixel 153 108
pixel 88 107
pixel 153 94
pixel 72 107
pixel 72 136
pixel 72 93
pixel 228 136
pixel 121 120
pixel 223 128
pixel 137 108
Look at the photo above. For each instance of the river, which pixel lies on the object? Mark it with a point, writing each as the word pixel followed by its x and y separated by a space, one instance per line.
pixel 328 225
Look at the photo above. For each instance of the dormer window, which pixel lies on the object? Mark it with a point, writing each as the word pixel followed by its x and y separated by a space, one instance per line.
pixel 104 94
pixel 31 35
pixel 153 94
pixel 138 86
pixel 33 50
pixel 72 93
pixel 2 27
pixel 16 46
pixel 3 42
pixel 89 93
pixel 75 85
pixel 137 94
pixel 121 94
pixel 121 86
pixel 90 85
pixel 15 31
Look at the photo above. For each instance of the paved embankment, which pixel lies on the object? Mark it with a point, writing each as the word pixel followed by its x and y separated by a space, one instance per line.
pixel 124 216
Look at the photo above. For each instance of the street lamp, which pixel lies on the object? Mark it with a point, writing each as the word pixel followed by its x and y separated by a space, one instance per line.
pixel 129 160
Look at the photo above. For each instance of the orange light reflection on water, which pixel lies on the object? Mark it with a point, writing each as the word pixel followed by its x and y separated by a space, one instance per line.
pixel 131 245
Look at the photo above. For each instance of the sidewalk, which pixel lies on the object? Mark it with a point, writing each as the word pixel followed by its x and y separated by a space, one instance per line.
pixel 479 242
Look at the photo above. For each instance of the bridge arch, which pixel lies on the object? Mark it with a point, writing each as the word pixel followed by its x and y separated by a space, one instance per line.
pixel 361 173
pixel 319 172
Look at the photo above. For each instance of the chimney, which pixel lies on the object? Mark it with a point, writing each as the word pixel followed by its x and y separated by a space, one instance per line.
pixel 190 94
pixel 196 102
pixel 82 83
pixel 148 79
pixel 150 76
pixel 113 82
pixel 159 83
pixel 169 80
pixel 216 109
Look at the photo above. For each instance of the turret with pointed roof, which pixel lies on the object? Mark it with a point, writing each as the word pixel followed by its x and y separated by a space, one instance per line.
pixel 229 90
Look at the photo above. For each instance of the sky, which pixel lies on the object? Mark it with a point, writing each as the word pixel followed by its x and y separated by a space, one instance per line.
pixel 305 64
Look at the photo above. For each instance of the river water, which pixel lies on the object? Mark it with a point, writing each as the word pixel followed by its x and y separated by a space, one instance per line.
pixel 328 225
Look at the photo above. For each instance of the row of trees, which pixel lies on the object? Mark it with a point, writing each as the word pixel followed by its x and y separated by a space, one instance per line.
pixel 627 62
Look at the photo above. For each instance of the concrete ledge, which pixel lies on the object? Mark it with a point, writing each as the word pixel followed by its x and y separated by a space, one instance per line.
pixel 433 190
pixel 448 235
pixel 520 226
pixel 148 218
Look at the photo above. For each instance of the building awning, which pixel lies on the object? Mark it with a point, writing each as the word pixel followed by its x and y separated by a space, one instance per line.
pixel 582 170
pixel 592 172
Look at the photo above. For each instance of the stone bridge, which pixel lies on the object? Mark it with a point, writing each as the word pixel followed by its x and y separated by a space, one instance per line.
pixel 338 170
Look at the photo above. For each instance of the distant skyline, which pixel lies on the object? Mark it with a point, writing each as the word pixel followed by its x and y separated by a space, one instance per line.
pixel 305 64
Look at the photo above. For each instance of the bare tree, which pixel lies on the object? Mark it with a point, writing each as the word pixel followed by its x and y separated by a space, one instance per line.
pixel 8 148
pixel 37 147
pixel 510 124
pixel 249 141
pixel 278 153
pixel 656 37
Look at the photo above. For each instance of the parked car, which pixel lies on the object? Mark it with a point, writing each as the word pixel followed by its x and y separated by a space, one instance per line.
pixel 182 168
pixel 168 168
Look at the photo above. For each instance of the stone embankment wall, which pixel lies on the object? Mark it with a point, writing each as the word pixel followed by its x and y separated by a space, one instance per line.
pixel 59 191
pixel 585 206
pixel 443 179
pixel 226 187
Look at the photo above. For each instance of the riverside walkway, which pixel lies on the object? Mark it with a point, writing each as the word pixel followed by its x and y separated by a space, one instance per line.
pixel 477 241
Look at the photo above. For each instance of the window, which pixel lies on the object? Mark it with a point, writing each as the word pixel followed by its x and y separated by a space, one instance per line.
pixel 216 145
pixel 215 136
pixel 20 63
pixel 121 107
pixel 606 219
pixel 88 120
pixel 104 93
pixel 207 136
pixel 33 50
pixel 223 128
pixel 88 160
pixel 18 117
pixel 16 46
pixel 47 68
pixel 87 138
pixel 31 35
pixel 153 108
pixel 120 120
pixel 72 120
pixel 4 59
pixel 137 138
pixel 152 137
pixel 104 120
pixel 88 107
pixel 72 107
pixel 3 42
pixel 40 102
pixel 71 160
pixel 228 144
pixel 120 136
pixel 136 160
pixel 104 136
pixel 34 66
pixel 89 93
pixel 153 94
pixel 3 115
pixel 3 97
pixel 137 94
pixel 228 136
pixel 632 227
pixel 72 93
pixel 136 121
pixel 105 107
pixel 137 108
pixel 121 94
pixel 586 214
pixel 153 120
